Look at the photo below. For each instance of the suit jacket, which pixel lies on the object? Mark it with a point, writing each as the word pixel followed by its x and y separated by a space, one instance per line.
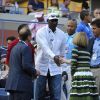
pixel 90 46
pixel 21 69
pixel 11 45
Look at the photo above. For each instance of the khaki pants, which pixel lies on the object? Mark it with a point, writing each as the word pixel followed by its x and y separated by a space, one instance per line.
pixel 96 73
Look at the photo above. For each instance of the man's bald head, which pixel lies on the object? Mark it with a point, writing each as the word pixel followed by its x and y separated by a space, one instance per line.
pixel 71 27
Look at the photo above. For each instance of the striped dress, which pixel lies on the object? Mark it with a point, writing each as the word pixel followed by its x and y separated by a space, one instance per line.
pixel 83 82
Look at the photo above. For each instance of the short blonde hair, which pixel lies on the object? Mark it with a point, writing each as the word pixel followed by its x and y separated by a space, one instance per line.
pixel 80 39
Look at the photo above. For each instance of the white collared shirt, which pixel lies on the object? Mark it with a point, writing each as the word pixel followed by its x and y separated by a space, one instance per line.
pixel 49 44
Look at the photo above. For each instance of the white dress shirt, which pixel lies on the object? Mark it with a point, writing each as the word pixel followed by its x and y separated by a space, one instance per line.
pixel 49 44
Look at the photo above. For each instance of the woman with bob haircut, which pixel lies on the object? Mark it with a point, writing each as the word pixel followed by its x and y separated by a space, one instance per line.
pixel 83 82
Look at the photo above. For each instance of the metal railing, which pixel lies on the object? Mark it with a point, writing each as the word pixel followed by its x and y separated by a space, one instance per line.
pixel 9 28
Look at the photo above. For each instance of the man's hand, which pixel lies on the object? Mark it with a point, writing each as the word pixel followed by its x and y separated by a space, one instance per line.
pixel 64 60
pixel 37 72
pixel 57 60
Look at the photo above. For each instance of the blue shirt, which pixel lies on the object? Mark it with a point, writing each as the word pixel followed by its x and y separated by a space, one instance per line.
pixel 35 6
pixel 95 60
pixel 69 46
pixel 83 27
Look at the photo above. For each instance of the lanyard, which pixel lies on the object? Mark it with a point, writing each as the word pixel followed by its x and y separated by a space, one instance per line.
pixel 23 42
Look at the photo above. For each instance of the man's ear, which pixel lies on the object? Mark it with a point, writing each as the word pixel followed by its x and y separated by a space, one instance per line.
pixel 85 17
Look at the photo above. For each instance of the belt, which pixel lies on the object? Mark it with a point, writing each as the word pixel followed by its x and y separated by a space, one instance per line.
pixel 95 66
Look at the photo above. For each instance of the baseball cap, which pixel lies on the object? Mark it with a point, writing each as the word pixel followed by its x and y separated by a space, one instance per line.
pixel 52 16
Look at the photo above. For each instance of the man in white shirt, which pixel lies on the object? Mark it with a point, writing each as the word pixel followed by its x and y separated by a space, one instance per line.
pixel 51 43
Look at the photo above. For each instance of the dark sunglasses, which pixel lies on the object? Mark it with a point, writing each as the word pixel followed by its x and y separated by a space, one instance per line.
pixel 54 20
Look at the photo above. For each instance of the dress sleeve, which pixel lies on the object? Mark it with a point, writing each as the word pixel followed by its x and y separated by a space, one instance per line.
pixel 74 60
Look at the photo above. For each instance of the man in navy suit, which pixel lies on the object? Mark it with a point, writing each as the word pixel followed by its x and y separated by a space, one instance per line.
pixel 19 82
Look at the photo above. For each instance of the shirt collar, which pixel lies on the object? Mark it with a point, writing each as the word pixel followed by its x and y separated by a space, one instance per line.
pixel 98 39
pixel 84 23
pixel 70 35
pixel 51 30
pixel 23 42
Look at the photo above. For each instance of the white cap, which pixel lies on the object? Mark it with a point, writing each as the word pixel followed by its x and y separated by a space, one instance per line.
pixel 52 16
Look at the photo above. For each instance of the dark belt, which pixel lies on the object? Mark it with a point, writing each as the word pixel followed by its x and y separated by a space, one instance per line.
pixel 93 67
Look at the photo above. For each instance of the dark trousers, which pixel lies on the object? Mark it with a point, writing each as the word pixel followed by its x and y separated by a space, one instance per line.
pixel 20 96
pixel 54 83
pixel 2 83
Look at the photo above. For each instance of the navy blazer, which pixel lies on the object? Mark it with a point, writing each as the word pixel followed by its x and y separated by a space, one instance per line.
pixel 21 69
pixel 90 46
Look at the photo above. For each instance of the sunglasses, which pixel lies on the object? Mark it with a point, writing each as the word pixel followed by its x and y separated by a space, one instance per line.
pixel 54 20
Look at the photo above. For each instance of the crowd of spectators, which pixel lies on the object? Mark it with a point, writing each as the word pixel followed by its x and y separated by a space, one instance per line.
pixel 61 9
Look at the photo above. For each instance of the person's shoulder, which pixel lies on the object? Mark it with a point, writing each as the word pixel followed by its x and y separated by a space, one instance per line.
pixel 74 35
pixel 60 32
pixel 80 27
pixel 80 24
pixel 13 43
pixel 22 46
pixel 41 30
pixel 91 40
pixel 75 49
pixel 66 34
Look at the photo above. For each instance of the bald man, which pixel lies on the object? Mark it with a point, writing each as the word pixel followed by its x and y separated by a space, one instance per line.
pixel 97 13
pixel 70 29
pixel 70 33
